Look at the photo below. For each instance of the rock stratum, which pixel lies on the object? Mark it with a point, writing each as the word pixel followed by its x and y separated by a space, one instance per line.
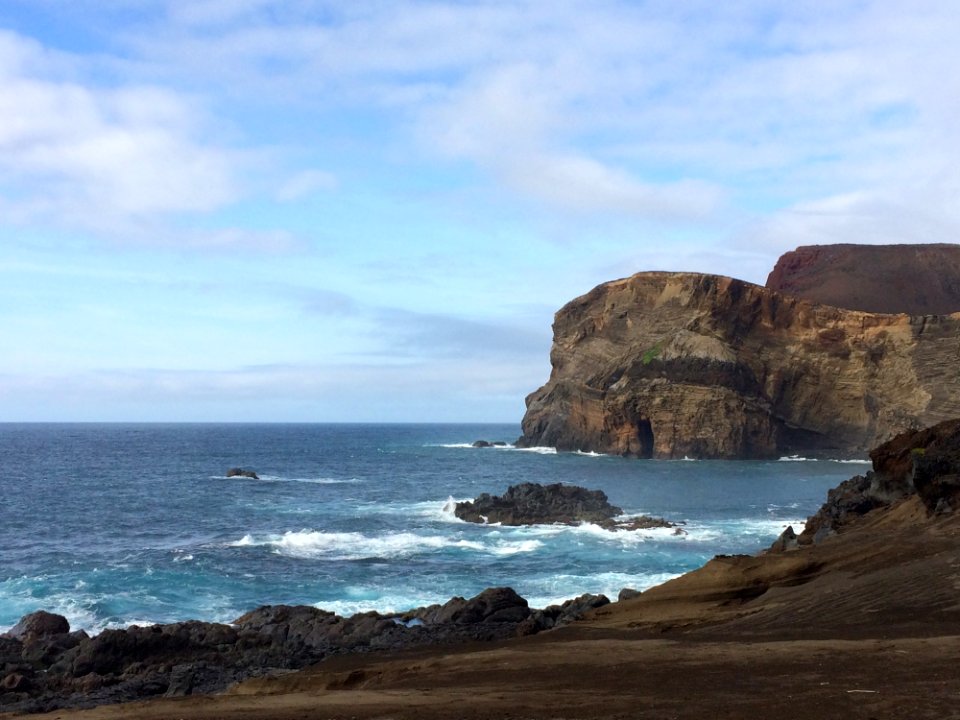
pixel 912 279
pixel 668 365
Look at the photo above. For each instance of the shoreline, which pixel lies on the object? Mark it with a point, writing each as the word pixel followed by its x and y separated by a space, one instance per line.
pixel 862 624
pixel 868 589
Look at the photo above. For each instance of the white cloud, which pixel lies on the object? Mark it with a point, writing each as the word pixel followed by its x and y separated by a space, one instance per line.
pixel 306 183
pixel 101 158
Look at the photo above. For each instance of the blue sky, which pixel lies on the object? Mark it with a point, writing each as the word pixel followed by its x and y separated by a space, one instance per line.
pixel 257 210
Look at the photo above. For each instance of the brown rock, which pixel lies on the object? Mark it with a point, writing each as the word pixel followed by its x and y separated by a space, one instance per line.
pixel 912 279
pixel 669 365
pixel 39 624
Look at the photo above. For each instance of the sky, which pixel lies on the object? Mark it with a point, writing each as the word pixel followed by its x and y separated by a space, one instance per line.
pixel 313 211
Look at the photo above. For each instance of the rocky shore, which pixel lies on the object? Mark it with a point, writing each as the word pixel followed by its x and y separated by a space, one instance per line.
pixel 857 616
pixel 45 666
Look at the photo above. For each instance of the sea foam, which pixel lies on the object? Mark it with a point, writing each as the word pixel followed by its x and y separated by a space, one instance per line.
pixel 313 544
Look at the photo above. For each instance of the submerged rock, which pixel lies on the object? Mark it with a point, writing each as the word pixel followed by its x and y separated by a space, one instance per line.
pixel 488 443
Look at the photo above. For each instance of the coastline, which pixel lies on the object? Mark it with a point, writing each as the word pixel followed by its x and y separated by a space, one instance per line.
pixel 862 625
pixel 859 608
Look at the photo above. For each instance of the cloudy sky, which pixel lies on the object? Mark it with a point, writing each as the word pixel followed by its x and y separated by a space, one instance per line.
pixel 303 210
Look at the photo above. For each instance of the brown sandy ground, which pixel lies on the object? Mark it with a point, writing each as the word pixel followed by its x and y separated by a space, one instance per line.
pixel 864 625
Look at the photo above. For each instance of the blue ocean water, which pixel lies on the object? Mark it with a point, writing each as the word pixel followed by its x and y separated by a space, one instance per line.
pixel 114 524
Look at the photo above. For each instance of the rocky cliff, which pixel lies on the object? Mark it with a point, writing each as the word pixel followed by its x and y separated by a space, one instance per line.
pixel 913 279
pixel 669 365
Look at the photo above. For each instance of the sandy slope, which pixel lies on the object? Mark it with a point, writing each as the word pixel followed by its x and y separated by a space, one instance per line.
pixel 865 625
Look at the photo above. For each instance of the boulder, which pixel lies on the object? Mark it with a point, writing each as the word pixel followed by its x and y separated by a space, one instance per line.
pixel 786 541
pixel 493 605
pixel 39 624
pixel 240 472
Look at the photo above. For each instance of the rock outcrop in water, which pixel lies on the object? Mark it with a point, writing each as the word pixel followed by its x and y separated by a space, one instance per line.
pixel 240 472
pixel 535 504
pixel 667 365
pixel 912 279
pixel 532 503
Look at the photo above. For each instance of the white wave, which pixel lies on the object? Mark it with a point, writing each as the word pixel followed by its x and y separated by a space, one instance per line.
pixel 589 453
pixel 435 510
pixel 688 459
pixel 796 458
pixel 314 544
pixel 283 479
pixel 559 588
pixel 183 558
pixel 361 600
pixel 853 462
pixel 471 446
pixel 538 450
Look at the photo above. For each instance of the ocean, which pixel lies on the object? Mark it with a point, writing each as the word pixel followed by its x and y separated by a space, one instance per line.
pixel 120 524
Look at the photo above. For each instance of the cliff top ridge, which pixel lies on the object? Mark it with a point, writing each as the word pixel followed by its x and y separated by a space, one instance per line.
pixel 912 279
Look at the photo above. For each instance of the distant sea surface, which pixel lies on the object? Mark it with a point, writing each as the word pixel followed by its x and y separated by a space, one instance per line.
pixel 117 524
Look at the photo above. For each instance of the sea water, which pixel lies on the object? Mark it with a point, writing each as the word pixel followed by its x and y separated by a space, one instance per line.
pixel 119 524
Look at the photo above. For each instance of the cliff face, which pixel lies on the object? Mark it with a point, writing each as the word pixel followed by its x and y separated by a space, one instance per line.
pixel 913 279
pixel 669 365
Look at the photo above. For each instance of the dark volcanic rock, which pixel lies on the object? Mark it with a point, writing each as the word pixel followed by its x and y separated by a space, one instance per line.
pixel 39 624
pixel 532 503
pixel 912 279
pixel 493 605
pixel 559 615
pixel 60 669
pixel 240 472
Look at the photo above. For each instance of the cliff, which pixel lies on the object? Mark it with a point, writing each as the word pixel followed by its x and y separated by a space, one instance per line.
pixel 668 365
pixel 912 279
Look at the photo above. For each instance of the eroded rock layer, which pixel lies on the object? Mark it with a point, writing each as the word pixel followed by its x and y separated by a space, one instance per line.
pixel 669 365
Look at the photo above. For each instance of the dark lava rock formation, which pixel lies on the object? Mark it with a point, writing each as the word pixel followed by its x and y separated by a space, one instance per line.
pixel 667 365
pixel 240 472
pixel 532 504
pixel 44 666
pixel 912 279
pixel 535 504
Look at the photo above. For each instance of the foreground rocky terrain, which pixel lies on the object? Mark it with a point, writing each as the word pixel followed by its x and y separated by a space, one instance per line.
pixel 43 665
pixel 667 365
pixel 860 620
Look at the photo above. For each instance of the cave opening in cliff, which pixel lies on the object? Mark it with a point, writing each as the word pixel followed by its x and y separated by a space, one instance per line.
pixel 645 436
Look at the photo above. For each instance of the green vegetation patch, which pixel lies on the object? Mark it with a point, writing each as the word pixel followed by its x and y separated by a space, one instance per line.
pixel 650 354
